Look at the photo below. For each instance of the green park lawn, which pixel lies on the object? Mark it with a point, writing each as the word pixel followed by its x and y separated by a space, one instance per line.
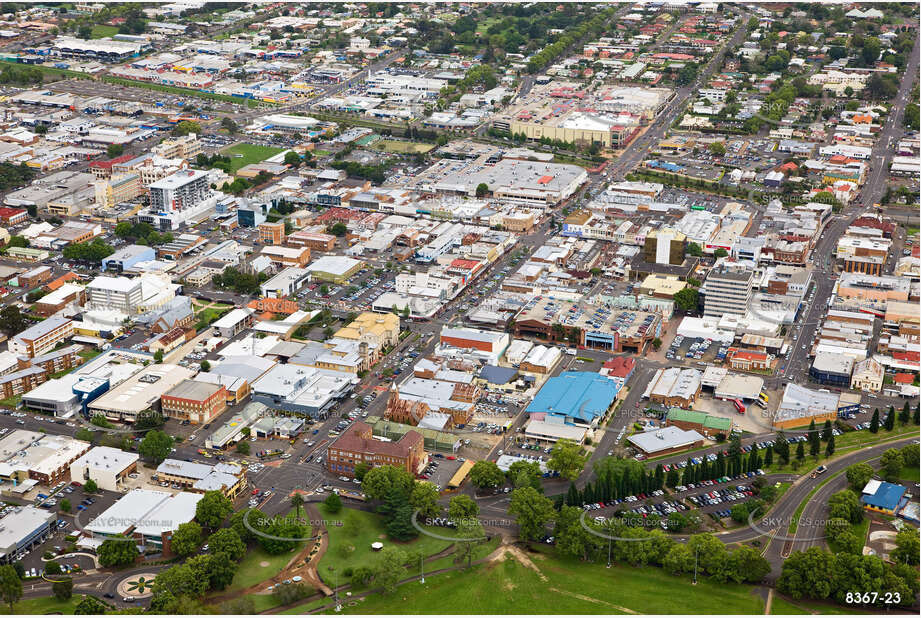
pixel 252 153
pixel 48 605
pixel 101 31
pixel 909 473
pixel 259 566
pixel 563 586
pixel 781 606
pixel 358 530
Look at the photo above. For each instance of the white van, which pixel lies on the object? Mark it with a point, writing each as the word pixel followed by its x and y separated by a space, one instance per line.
pixel 571 351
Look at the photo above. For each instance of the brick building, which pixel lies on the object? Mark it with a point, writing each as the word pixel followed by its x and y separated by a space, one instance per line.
pixel 357 446
pixel 198 402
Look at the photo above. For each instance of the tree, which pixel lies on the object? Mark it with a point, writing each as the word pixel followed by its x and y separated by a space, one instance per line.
pixel 205 365
pixel 228 124
pixel 293 159
pixel 380 480
pixel 226 541
pixel 905 414
pixel 693 249
pixel 482 189
pixel 858 475
pixel 65 505
pixel 90 486
pixel 566 458
pixel 829 447
pixel 10 585
pixel 333 503
pixel 800 451
pixel 158 356
pixel 889 423
pixel 472 532
pixel 656 343
pixel 679 559
pixel 362 468
pixel 297 501
pixel 486 474
pixel 186 539
pixel 186 127
pixel 462 506
pixel 213 509
pixel 12 321
pixel 891 462
pixel 907 546
pixel 90 606
pixel 846 505
pixel 253 516
pixel 243 447
pixel 115 150
pixel 117 552
pixel 717 148
pixel 720 253
pixel 686 299
pixel 156 446
pixel 874 421
pixel 390 569
pixel 63 589
pixel 85 32
pixel 746 564
pixel 424 498
pixel 525 474
pixel 533 512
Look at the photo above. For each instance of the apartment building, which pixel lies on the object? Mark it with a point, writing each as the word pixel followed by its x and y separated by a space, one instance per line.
pixel 117 189
pixel 114 293
pixel 42 337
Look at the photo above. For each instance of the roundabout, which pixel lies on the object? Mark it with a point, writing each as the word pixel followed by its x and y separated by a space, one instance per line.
pixel 139 586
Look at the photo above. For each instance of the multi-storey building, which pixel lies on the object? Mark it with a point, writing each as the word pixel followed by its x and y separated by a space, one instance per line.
pixel 357 446
pixel 41 337
pixel 198 402
pixel 727 292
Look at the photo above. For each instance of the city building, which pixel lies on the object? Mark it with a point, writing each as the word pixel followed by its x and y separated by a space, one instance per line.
pixel 227 477
pixel 727 292
pixel 333 268
pixel 126 257
pixel 42 337
pixel 34 456
pixel 701 422
pixel 579 398
pixel 23 529
pixel 800 405
pixel 286 283
pixel 833 369
pixel 139 393
pixel 674 387
pixel 883 497
pixel 194 401
pixel 358 446
pixel 105 465
pixel 666 440
pixel 271 233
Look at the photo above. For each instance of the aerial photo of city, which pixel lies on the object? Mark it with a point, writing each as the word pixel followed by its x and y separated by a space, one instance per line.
pixel 460 308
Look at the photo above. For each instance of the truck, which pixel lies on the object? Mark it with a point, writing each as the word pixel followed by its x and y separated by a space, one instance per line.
pixel 740 407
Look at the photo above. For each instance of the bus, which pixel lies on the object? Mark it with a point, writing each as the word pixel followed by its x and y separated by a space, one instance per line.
pixel 740 407
pixel 763 397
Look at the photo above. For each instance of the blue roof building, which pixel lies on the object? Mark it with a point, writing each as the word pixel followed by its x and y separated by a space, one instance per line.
pixel 882 497
pixel 574 398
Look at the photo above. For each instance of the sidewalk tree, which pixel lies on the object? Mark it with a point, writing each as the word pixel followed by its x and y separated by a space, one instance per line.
pixel 533 511
pixel 486 474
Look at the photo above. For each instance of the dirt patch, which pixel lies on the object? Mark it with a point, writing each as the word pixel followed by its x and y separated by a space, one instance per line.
pixel 517 554
pixel 264 563
pixel 583 597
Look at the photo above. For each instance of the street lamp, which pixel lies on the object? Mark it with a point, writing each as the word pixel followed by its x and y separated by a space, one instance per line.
pixel 335 589
pixel 421 569
pixel 696 551
pixel 609 553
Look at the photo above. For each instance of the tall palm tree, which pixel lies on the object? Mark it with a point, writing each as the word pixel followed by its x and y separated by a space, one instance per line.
pixel 296 501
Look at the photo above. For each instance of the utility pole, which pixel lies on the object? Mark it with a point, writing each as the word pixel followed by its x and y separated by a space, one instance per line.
pixel 335 589
pixel 422 569
pixel 609 552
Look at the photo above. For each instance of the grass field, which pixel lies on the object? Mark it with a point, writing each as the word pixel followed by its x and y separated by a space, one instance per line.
pixel 562 586
pixel 909 474
pixel 11 402
pixel 781 606
pixel 48 605
pixel 101 31
pixel 177 90
pixel 206 316
pixel 399 147
pixel 359 530
pixel 258 566
pixel 251 154
pixel 63 73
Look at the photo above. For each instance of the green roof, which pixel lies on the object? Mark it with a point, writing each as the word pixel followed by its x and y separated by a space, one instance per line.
pixel 699 418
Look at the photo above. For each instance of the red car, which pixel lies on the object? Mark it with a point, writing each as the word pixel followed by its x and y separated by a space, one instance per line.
pixel 451 457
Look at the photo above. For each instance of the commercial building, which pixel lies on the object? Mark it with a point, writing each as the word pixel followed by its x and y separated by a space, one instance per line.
pixel 43 458
pixel 22 529
pixel 147 517
pixel 333 268
pixel 800 405
pixel 128 256
pixel 315 241
pixel 41 337
pixel 701 422
pixel 674 387
pixel 883 497
pixel 490 345
pixel 432 403
pixel 377 330
pixel 177 199
pixel 234 322
pixel 833 369
pixel 358 446
pixel 139 393
pixel 666 440
pixel 727 292
pixel 227 477
pixel 105 465
pixel 194 401
pixel 271 233
pixel 868 376
pixel 541 359
pixel 286 283
pixel 287 256
pixel 302 390
pixel 578 398
pixel 548 432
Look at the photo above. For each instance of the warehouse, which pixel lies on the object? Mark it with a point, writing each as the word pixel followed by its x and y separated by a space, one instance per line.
pixel 542 431
pixel 286 283
pixel 706 424
pixel 674 387
pixel 105 465
pixel 666 440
